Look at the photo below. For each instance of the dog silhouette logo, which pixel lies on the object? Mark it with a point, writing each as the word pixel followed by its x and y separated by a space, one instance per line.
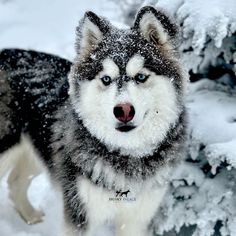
pixel 122 194
pixel 125 193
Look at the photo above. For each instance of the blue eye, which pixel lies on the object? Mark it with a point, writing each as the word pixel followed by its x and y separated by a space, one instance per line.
pixel 141 78
pixel 106 80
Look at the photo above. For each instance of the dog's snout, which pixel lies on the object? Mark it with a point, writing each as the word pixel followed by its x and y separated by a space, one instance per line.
pixel 124 112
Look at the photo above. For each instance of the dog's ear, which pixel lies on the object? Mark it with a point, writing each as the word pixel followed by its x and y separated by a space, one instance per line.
pixel 90 33
pixel 155 26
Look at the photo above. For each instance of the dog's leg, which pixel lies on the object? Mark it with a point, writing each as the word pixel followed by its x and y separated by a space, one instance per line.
pixel 73 229
pixel 25 169
pixel 75 216
pixel 69 230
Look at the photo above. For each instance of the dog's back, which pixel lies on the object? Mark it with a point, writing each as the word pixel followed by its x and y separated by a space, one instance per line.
pixel 33 84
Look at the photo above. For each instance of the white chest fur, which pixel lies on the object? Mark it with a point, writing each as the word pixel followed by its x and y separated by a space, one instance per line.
pixel 130 215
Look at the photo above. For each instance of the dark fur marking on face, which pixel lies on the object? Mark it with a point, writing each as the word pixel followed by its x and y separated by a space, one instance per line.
pixel 122 80
pixel 121 45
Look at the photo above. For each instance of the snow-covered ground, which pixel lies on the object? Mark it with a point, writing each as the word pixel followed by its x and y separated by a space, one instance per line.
pixel 205 197
pixel 47 25
pixel 43 196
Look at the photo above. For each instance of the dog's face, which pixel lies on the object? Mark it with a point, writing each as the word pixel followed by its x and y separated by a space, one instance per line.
pixel 126 85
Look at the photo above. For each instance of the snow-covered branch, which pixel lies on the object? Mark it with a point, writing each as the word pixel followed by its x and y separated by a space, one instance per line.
pixel 208 30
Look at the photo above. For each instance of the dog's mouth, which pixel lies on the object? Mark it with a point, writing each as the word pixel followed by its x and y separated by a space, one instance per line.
pixel 125 128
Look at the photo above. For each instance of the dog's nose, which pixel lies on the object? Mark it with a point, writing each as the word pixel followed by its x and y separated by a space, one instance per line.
pixel 124 112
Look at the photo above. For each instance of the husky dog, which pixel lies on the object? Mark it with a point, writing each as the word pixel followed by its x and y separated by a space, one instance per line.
pixel 122 124
pixel 32 86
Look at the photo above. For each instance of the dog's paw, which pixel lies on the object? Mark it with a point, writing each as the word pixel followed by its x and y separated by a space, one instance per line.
pixel 32 217
pixel 35 218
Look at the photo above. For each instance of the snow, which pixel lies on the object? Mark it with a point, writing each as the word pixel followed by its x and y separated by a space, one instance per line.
pixel 203 190
pixel 217 129
pixel 47 26
pixel 215 19
pixel 222 152
pixel 217 102
pixel 207 29
pixel 43 196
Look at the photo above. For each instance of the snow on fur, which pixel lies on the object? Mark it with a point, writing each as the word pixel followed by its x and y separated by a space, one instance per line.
pixel 203 190
pixel 207 28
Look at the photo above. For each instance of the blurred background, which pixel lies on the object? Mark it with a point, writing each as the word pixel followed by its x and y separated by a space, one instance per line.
pixel 202 196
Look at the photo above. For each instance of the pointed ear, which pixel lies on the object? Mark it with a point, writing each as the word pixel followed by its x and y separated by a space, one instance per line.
pixel 90 33
pixel 155 26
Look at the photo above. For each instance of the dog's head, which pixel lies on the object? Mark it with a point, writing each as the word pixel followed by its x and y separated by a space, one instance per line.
pixel 127 86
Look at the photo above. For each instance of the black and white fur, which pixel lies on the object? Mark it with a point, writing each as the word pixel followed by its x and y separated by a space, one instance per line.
pixel 78 136
pixel 32 86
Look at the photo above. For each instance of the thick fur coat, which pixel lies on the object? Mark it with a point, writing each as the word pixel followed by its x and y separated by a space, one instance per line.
pixel 93 146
